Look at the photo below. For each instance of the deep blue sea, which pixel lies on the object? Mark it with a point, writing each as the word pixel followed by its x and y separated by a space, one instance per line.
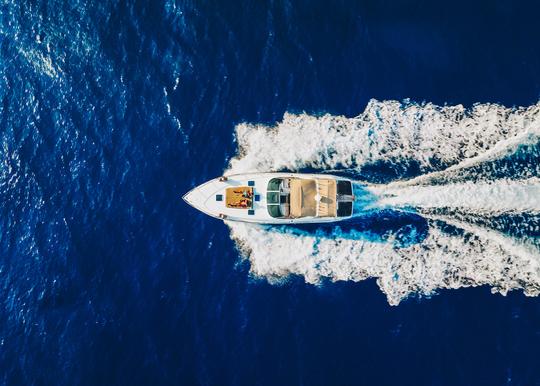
pixel 111 110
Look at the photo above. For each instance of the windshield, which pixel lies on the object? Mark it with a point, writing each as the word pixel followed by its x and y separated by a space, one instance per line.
pixel 274 184
pixel 275 211
pixel 273 198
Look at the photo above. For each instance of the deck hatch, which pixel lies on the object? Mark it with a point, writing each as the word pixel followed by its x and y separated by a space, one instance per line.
pixel 344 209
pixel 219 197
pixel 344 188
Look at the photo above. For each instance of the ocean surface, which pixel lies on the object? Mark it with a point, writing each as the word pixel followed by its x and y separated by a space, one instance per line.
pixel 111 110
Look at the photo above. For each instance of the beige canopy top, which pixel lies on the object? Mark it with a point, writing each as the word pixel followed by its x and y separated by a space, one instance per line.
pixel 303 199
pixel 328 193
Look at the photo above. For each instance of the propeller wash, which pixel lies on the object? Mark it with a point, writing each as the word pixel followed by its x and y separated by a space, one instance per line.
pixel 450 197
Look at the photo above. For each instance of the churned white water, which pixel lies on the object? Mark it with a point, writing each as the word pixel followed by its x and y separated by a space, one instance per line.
pixel 436 144
pixel 387 131
pixel 490 197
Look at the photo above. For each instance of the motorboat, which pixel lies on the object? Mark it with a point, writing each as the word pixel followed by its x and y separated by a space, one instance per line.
pixel 275 198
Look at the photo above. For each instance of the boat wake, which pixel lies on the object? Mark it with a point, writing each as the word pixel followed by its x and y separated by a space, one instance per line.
pixel 449 197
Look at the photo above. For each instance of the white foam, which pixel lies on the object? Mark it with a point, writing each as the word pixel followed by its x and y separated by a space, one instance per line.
pixel 41 62
pixel 386 131
pixel 439 261
pixel 443 141
pixel 492 197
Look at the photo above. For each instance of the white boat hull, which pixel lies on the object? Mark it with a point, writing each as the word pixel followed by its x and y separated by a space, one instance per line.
pixel 205 198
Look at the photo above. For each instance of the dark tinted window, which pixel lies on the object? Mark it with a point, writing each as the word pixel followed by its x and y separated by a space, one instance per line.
pixel 344 187
pixel 272 197
pixel 274 211
pixel 274 184
pixel 344 209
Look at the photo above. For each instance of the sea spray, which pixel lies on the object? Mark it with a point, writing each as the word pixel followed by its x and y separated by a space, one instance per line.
pixel 440 162
pixel 491 197
pixel 414 138
pixel 445 259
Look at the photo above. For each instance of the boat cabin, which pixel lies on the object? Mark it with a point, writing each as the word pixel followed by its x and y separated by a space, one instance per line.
pixel 299 197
